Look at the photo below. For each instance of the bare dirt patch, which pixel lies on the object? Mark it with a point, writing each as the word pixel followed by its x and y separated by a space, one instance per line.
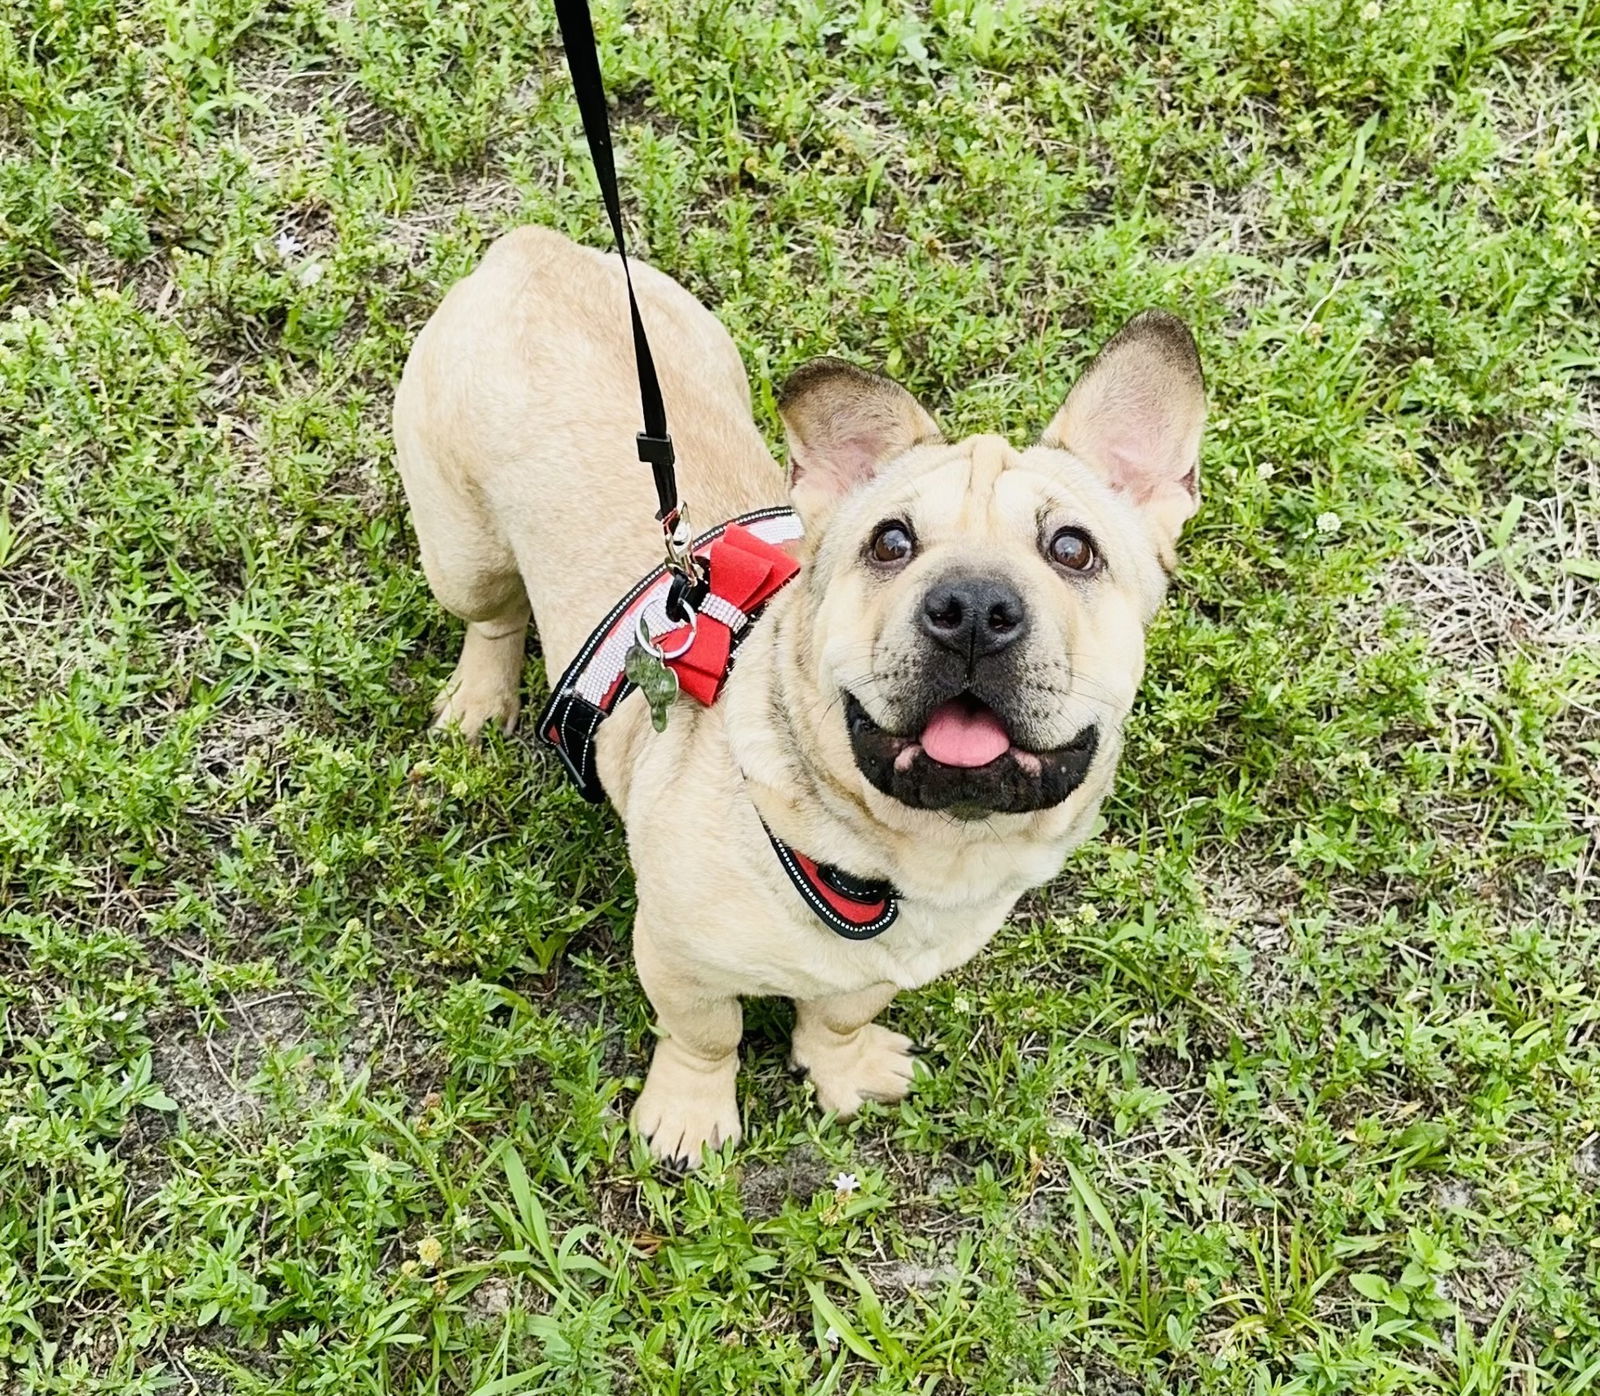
pixel 209 1074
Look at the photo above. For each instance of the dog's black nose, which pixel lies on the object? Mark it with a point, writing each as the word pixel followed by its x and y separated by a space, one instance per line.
pixel 974 616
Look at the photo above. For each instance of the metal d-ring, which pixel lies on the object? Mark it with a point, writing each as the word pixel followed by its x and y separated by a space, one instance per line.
pixel 646 643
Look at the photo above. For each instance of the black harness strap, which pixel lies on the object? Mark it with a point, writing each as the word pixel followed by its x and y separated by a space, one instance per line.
pixel 583 62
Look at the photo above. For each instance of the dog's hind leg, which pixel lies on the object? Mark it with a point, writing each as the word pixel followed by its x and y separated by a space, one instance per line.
pixel 689 1102
pixel 478 582
pixel 474 574
pixel 849 1058
pixel 485 685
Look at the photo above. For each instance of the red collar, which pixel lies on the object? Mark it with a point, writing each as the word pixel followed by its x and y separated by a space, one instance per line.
pixel 855 907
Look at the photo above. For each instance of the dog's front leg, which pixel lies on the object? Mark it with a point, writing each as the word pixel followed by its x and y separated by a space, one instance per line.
pixel 850 1058
pixel 689 1102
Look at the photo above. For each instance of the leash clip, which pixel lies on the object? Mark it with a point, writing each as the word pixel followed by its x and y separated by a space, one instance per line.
pixel 689 576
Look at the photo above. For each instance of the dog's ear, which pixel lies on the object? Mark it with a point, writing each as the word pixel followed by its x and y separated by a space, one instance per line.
pixel 843 423
pixel 1136 416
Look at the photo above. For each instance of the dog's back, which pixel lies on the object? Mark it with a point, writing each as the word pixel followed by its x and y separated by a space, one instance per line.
pixel 514 432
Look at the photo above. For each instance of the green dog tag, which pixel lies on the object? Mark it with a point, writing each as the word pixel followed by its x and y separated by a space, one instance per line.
pixel 651 677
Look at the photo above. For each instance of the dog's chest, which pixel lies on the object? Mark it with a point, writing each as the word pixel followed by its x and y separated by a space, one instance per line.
pixel 809 961
pixel 927 942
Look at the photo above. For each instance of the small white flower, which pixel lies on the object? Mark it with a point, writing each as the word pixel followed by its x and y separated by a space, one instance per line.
pixel 288 244
pixel 846 1184
pixel 1370 11
pixel 1266 470
pixel 1329 523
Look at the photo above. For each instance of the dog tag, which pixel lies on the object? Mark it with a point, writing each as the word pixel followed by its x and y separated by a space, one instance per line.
pixel 651 677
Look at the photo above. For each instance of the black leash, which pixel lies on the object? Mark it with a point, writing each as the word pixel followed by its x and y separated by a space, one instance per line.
pixel 855 908
pixel 655 441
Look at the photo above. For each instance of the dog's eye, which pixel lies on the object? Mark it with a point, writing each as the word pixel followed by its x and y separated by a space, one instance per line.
pixel 892 543
pixel 1073 549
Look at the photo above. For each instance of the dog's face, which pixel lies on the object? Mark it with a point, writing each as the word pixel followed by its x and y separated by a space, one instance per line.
pixel 977 613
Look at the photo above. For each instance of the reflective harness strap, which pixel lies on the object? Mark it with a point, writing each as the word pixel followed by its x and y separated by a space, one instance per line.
pixel 594 683
pixel 853 907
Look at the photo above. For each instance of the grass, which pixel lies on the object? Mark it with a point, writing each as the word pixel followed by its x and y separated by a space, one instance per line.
pixel 317 1034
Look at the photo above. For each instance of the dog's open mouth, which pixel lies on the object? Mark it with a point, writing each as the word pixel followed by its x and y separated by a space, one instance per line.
pixel 962 759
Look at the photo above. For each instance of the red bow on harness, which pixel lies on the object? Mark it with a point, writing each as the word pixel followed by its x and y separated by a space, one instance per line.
pixel 743 573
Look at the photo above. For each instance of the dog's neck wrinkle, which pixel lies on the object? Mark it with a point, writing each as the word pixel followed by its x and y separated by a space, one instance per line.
pixel 805 782
pixel 783 718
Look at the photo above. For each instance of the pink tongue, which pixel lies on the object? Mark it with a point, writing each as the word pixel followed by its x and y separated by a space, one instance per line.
pixel 961 734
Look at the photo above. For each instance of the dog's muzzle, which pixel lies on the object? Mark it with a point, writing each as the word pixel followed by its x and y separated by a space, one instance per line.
pixel 1016 781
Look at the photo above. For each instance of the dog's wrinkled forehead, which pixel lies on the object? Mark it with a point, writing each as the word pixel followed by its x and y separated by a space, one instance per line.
pixel 983 498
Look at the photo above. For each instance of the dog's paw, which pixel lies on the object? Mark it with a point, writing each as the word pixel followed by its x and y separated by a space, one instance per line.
pixel 873 1064
pixel 471 700
pixel 685 1110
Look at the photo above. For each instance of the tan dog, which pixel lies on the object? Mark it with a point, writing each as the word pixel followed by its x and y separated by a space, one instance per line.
pixel 937 700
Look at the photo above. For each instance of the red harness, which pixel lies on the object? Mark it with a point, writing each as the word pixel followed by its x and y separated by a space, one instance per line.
pixel 745 569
